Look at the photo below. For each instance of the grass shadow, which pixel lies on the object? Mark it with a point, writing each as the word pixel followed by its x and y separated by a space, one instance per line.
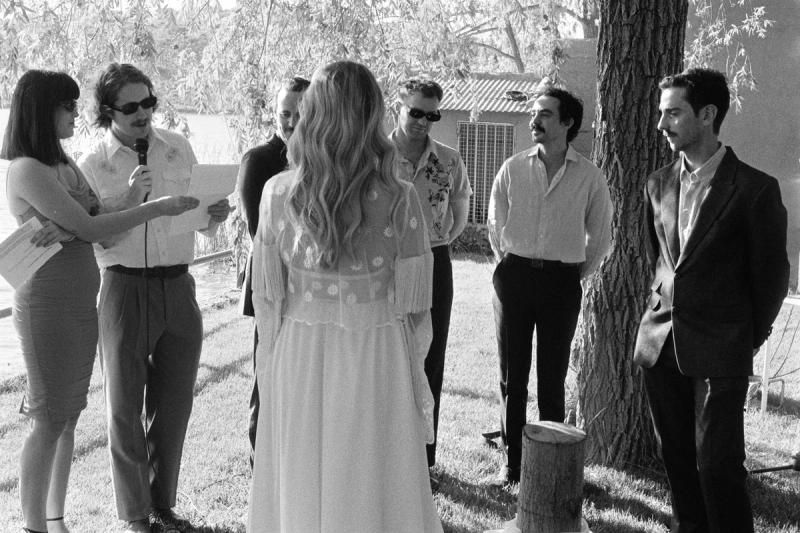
pixel 13 385
pixel 9 484
pixel 89 446
pixel 471 394
pixel 638 508
pixel 606 497
pixel 217 374
pixel 221 325
pixel 603 525
pixel 789 407
pixel 479 498
pixel 775 503
pixel 6 428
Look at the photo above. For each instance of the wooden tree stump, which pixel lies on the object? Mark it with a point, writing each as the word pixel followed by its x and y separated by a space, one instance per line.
pixel 551 485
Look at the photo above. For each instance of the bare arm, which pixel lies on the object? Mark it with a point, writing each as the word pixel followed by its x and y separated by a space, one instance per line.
pixel 34 182
pixel 460 209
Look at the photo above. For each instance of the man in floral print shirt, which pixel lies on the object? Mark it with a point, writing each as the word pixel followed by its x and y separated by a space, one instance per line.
pixel 440 177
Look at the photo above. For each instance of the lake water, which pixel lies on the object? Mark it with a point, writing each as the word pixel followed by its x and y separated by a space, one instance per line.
pixel 211 144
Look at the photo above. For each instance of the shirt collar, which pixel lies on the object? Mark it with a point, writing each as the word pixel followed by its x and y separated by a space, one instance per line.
pixel 113 145
pixel 430 147
pixel 571 155
pixel 706 171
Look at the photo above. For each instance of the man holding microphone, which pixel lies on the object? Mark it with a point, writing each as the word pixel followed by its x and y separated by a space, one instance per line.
pixel 151 329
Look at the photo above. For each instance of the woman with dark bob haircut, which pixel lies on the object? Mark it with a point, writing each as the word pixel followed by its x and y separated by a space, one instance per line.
pixel 54 311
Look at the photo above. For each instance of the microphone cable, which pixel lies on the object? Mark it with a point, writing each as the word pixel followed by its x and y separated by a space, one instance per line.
pixel 141 147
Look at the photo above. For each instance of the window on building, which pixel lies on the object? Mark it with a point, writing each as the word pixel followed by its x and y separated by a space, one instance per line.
pixel 483 146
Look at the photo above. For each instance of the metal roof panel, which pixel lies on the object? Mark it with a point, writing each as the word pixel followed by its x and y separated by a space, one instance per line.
pixel 495 93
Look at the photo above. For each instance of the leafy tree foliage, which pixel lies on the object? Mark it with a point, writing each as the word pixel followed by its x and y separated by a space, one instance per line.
pixel 210 59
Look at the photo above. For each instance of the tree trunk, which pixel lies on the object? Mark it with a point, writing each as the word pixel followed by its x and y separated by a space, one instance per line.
pixel 640 42
pixel 551 487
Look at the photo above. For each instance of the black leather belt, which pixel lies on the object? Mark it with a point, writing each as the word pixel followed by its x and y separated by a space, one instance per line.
pixel 539 264
pixel 163 272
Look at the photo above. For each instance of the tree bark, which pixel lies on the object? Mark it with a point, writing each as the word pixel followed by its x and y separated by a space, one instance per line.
pixel 640 41
pixel 551 488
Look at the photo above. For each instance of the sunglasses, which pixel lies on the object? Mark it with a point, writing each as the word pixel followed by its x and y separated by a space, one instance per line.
pixel 432 116
pixel 69 105
pixel 131 107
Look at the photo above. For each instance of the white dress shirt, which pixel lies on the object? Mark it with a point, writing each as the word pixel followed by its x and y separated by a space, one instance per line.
pixel 108 166
pixel 694 189
pixel 568 220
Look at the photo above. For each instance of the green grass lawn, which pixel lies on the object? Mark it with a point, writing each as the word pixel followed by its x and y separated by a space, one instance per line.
pixel 215 474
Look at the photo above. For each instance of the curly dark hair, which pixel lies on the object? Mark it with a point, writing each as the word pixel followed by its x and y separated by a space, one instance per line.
pixel 569 107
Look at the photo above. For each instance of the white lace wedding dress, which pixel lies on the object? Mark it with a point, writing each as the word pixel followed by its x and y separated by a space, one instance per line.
pixel 345 406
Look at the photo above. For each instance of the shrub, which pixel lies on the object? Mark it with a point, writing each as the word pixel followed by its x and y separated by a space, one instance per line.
pixel 474 239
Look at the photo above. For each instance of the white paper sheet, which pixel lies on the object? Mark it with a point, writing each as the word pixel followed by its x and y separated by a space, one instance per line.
pixel 209 184
pixel 19 258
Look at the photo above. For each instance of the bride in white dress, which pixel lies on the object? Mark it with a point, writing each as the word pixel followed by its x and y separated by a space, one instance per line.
pixel 342 290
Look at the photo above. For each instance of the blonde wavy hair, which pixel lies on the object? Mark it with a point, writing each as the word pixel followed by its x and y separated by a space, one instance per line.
pixel 340 151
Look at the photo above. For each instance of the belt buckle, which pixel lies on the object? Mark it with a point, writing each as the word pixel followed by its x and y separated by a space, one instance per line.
pixel 537 263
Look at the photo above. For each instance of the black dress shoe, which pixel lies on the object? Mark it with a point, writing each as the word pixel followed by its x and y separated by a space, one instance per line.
pixel 489 438
pixel 165 521
pixel 506 478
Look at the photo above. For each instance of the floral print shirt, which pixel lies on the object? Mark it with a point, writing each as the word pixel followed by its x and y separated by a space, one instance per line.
pixel 440 178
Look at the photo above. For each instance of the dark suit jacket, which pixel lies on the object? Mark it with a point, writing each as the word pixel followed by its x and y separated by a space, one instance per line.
pixel 720 295
pixel 258 165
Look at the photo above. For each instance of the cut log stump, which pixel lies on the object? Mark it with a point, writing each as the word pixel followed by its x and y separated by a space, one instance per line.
pixel 551 484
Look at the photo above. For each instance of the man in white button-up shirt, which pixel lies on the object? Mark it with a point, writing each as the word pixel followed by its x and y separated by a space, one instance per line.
pixel 549 227
pixel 151 330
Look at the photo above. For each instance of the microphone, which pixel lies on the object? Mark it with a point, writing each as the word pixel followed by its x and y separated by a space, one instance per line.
pixel 140 146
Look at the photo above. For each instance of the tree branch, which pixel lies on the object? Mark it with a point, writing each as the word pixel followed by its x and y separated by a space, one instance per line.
pixel 512 41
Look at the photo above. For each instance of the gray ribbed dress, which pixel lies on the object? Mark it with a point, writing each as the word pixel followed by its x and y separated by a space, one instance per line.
pixel 55 314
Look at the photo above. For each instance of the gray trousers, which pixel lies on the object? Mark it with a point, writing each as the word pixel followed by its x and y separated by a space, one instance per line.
pixel 151 335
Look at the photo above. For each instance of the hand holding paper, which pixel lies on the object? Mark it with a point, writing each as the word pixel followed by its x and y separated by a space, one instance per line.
pixel 219 211
pixel 20 258
pixel 210 184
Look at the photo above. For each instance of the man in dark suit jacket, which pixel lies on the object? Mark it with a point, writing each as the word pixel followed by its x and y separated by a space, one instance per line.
pixel 716 235
pixel 258 165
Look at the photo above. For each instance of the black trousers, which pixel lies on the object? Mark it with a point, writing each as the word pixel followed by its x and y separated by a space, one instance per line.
pixel 699 423
pixel 546 298
pixel 440 319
